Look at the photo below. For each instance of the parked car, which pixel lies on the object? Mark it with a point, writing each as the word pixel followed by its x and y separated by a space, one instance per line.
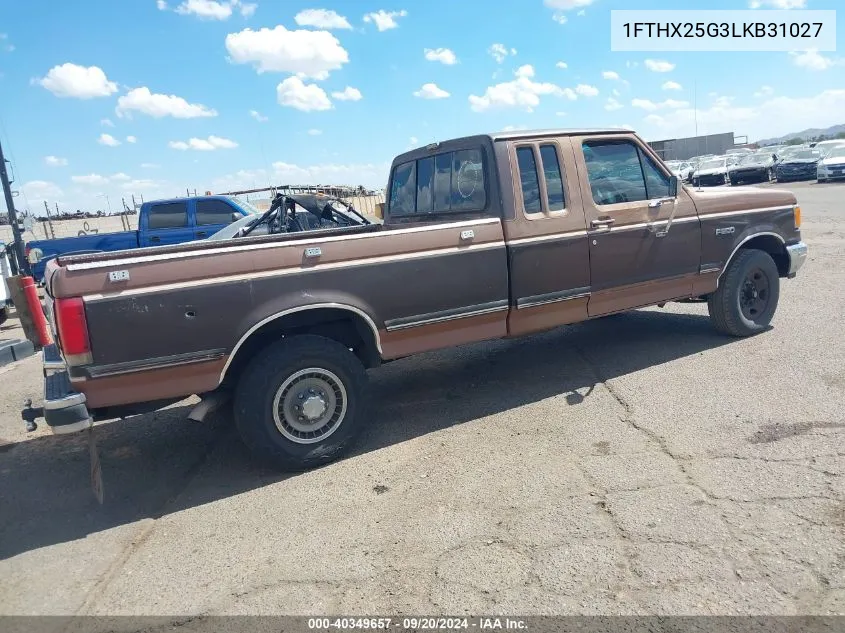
pixel 738 150
pixel 755 167
pixel 682 169
pixel 711 172
pixel 5 272
pixel 799 165
pixel 160 222
pixel 473 247
pixel 832 166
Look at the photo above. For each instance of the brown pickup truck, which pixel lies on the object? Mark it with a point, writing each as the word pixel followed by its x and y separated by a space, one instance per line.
pixel 484 237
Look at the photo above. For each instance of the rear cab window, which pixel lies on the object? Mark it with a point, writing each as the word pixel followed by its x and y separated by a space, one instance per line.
pixel 447 182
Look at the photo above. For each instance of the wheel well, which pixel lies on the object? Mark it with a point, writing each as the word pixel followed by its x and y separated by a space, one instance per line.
pixel 344 326
pixel 774 247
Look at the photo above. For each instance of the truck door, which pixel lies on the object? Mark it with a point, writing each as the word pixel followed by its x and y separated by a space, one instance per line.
pixel 634 260
pixel 166 223
pixel 212 214
pixel 546 237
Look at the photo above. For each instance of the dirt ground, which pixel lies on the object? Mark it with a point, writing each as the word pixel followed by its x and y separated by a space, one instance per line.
pixel 635 464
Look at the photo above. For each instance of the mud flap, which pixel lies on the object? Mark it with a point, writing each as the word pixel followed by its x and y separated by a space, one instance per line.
pixel 96 470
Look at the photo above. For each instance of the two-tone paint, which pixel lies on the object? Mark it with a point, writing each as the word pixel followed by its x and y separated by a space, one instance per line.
pixel 176 326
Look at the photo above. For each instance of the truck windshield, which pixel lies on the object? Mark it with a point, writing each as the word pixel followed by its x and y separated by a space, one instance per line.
pixel 246 206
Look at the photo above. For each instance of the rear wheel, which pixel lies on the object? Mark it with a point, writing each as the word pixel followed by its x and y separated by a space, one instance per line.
pixel 298 404
pixel 748 294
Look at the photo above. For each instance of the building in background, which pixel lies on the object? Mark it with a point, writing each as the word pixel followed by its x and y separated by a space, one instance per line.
pixel 685 148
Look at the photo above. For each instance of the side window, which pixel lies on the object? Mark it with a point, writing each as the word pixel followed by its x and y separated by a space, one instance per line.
pixel 656 182
pixel 529 180
pixel 214 212
pixel 404 188
pixel 554 181
pixel 443 182
pixel 171 215
pixel 425 178
pixel 614 171
pixel 468 193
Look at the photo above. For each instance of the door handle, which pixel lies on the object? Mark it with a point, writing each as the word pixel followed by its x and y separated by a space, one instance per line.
pixel 656 204
pixel 202 233
pixel 155 238
pixel 602 223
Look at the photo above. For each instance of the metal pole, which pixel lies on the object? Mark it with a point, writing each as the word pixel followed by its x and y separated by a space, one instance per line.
pixel 21 264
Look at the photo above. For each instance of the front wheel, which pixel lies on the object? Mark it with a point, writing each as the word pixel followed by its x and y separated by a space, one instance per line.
pixel 298 404
pixel 748 294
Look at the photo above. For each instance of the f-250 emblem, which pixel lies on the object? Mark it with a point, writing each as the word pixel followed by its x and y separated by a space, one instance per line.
pixel 725 230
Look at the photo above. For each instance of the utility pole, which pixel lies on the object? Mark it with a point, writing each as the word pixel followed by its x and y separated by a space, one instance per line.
pixel 21 265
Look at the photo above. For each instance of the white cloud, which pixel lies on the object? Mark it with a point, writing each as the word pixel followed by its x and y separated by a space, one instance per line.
pixel 774 117
pixel 212 9
pixel 322 19
pixel 314 132
pixel 162 5
pixel 581 13
pixel 586 90
pixel 142 184
pixel 55 161
pixel 293 93
pixel 385 20
pixel 203 144
pixel 150 165
pixel 41 190
pixel 431 91
pixel 120 177
pixel 611 75
pixel 613 104
pixel 522 92
pixel 255 114
pixel 765 91
pixel 524 71
pixel 413 140
pixel 615 92
pixel 567 5
pixel 630 64
pixel 78 82
pixel 514 128
pixel 442 55
pixel 778 4
pixel 367 174
pixel 659 65
pixel 562 65
pixel 500 51
pixel 306 53
pixel 672 85
pixel 348 94
pixel 108 140
pixel 106 123
pixel 131 139
pixel 560 18
pixel 160 105
pixel 560 113
pixel 651 106
pixel 813 60
pixel 90 179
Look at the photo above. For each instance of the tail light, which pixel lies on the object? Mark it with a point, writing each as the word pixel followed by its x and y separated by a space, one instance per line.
pixel 72 328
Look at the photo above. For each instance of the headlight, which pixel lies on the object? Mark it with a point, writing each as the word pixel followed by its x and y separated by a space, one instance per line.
pixel 35 255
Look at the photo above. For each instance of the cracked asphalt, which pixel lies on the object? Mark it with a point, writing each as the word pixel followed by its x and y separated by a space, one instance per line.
pixel 636 464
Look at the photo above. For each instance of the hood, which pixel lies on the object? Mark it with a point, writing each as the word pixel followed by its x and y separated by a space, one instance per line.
pixel 711 171
pixel 799 161
pixel 760 165
pixel 834 160
pixel 739 199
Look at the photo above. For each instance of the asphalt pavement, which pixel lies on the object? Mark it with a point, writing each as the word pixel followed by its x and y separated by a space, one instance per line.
pixel 636 464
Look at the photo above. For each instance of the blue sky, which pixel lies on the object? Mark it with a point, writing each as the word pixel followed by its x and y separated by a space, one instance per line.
pixel 193 93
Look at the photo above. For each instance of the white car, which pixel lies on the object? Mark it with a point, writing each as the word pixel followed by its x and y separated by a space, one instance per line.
pixel 713 171
pixel 832 166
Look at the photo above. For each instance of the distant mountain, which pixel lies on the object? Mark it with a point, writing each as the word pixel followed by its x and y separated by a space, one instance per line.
pixel 811 133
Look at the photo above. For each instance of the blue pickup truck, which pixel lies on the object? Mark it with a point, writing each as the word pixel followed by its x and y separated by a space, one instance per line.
pixel 159 222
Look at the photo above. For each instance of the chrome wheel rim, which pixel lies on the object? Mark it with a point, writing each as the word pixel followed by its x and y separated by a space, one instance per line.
pixel 310 405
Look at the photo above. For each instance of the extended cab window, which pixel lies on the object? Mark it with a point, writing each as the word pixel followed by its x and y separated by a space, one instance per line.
pixel 446 182
pixel 214 212
pixel 554 181
pixel 529 179
pixel 171 215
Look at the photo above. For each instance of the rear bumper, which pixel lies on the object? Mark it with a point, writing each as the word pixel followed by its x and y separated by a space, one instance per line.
pixel 797 256
pixel 65 410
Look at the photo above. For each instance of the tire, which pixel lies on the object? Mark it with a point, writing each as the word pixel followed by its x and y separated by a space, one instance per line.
pixel 733 182
pixel 748 294
pixel 821 180
pixel 4 314
pixel 266 396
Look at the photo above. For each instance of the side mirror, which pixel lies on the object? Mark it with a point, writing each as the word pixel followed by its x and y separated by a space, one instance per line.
pixel 236 216
pixel 673 187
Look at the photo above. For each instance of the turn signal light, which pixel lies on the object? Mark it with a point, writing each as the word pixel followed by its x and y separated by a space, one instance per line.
pixel 797 214
pixel 72 328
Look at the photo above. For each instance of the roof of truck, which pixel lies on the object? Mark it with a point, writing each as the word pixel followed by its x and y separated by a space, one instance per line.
pixel 450 143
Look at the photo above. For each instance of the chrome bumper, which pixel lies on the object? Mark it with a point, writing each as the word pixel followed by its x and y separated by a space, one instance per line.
pixel 797 255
